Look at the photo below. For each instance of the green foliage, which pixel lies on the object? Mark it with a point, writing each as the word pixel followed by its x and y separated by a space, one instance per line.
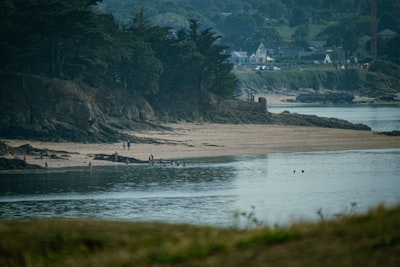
pixel 69 40
pixel 347 33
pixel 370 239
pixel 300 35
pixel 243 18
pixel 299 17
pixel 346 80
pixel 239 23
pixel 386 67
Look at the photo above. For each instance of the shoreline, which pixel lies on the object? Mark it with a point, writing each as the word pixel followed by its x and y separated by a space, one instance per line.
pixel 202 140
pixel 289 99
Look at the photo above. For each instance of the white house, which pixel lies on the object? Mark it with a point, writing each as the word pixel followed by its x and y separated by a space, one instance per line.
pixel 262 55
pixel 239 58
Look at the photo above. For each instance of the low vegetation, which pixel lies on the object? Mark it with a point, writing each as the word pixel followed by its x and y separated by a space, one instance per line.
pixel 371 239
pixel 379 83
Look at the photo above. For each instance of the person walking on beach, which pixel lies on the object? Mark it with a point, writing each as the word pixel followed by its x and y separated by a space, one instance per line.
pixel 151 159
pixel 129 144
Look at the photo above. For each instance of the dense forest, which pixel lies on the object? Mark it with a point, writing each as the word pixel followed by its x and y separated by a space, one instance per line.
pixel 69 40
pixel 139 46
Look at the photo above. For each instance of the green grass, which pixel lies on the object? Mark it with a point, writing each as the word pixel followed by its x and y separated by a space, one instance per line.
pixel 372 239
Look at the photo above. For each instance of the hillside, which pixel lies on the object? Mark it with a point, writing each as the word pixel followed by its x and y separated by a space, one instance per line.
pixel 58 110
pixel 278 23
pixel 341 86
pixel 79 75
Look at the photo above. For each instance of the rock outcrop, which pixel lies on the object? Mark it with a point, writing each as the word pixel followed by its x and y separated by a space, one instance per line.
pixel 57 110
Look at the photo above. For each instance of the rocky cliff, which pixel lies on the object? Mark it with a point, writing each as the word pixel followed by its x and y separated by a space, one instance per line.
pixel 32 107
pixel 57 110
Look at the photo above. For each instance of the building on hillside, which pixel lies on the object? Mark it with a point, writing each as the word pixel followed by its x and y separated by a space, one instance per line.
pixel 386 35
pixel 361 54
pixel 305 53
pixel 263 54
pixel 339 56
pixel 290 52
pixel 239 58
pixel 317 59
pixel 256 60
pixel 317 44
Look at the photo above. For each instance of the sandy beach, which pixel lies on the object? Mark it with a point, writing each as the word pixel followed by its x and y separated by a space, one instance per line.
pixel 190 140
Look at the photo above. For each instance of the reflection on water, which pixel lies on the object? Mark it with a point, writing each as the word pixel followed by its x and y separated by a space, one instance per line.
pixel 209 191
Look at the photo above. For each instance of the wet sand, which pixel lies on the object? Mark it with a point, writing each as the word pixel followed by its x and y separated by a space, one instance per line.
pixel 192 140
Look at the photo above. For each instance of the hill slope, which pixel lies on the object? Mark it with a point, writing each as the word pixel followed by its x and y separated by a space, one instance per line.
pixel 377 86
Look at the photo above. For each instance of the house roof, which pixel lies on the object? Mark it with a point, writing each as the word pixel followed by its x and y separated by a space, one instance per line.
pixel 315 57
pixel 261 45
pixel 387 32
pixel 239 54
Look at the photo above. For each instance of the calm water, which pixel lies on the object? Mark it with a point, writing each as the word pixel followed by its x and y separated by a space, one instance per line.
pixel 210 191
pixel 378 117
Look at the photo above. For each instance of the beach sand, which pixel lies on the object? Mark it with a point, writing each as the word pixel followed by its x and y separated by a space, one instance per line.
pixel 193 140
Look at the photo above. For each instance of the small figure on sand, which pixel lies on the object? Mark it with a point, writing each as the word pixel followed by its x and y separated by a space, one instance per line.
pixel 115 155
pixel 129 144
pixel 151 159
pixel 123 145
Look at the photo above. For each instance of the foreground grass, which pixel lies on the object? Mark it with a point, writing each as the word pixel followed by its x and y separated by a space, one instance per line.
pixel 372 239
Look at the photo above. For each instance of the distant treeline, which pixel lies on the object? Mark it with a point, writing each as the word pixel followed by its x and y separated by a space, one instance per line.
pixel 278 23
pixel 70 40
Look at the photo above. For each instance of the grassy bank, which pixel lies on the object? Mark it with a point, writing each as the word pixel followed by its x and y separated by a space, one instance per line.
pixel 358 81
pixel 372 239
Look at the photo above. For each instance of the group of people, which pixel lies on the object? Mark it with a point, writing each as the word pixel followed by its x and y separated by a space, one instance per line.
pixel 152 161
pixel 127 145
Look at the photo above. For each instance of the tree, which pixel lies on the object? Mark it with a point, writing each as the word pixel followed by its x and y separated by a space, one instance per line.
pixel 8 50
pixel 300 35
pixel 298 17
pixel 270 36
pixel 393 47
pixel 347 33
pixel 275 9
pixel 213 69
pixel 68 40
pixel 240 23
pixel 51 32
pixel 388 21
pixel 142 69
